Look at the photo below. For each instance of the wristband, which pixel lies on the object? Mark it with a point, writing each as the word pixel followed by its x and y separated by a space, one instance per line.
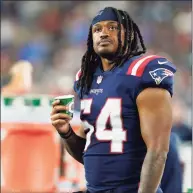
pixel 68 134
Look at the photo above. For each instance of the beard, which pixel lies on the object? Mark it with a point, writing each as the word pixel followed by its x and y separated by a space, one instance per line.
pixel 107 54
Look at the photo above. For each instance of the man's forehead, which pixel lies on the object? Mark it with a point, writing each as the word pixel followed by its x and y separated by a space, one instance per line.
pixel 105 22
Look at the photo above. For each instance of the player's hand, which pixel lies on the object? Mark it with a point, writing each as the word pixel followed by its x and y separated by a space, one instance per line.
pixel 60 120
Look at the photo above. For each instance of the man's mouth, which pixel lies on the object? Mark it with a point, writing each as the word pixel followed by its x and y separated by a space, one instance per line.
pixel 105 42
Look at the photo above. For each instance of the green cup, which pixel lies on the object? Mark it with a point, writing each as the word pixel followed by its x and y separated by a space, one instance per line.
pixel 190 190
pixel 67 100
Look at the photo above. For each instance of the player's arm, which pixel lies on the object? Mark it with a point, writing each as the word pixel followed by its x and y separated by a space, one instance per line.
pixel 75 143
pixel 155 112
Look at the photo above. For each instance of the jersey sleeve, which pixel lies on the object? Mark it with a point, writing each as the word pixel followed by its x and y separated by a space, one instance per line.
pixel 157 73
pixel 76 90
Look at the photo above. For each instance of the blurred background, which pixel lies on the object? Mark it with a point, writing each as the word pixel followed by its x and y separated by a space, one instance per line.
pixel 42 43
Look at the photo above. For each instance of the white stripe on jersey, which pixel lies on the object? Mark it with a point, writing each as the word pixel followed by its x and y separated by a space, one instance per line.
pixel 138 64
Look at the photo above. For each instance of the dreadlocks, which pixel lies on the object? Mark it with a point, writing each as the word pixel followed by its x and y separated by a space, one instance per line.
pixel 90 60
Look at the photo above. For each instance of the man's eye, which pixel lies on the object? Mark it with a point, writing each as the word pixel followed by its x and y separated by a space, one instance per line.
pixel 97 30
pixel 113 28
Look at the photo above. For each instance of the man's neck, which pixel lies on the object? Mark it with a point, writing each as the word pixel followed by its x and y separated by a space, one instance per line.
pixel 106 64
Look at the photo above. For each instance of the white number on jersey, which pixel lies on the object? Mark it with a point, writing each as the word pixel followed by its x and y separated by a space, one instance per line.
pixel 111 111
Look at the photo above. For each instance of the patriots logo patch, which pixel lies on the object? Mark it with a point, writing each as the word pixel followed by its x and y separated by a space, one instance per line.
pixel 159 74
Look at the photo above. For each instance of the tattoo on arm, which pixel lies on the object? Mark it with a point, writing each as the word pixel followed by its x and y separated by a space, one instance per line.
pixel 152 171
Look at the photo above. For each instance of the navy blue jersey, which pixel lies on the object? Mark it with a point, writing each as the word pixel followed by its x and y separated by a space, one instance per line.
pixel 115 150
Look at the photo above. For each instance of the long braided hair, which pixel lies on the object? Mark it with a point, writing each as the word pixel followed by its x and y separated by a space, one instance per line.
pixel 132 43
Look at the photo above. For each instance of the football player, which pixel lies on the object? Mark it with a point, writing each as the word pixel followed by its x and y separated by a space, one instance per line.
pixel 126 109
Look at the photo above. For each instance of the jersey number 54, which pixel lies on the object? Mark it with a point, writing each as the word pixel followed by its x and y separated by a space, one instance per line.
pixel 111 111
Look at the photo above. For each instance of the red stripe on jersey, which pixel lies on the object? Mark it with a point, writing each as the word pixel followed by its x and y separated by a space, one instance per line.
pixel 141 68
pixel 133 64
pixel 78 74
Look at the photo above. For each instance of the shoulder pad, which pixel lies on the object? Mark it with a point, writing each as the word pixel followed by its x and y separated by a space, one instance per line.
pixel 138 66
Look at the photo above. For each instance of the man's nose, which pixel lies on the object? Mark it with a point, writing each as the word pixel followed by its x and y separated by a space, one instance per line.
pixel 103 36
pixel 104 33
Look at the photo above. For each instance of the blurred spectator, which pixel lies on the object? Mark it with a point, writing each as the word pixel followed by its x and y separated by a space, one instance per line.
pixel 7 58
pixel 180 125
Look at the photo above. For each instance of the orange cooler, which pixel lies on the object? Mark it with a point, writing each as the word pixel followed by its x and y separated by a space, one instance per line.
pixel 29 147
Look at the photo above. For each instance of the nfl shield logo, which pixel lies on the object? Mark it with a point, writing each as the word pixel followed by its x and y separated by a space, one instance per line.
pixel 99 79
